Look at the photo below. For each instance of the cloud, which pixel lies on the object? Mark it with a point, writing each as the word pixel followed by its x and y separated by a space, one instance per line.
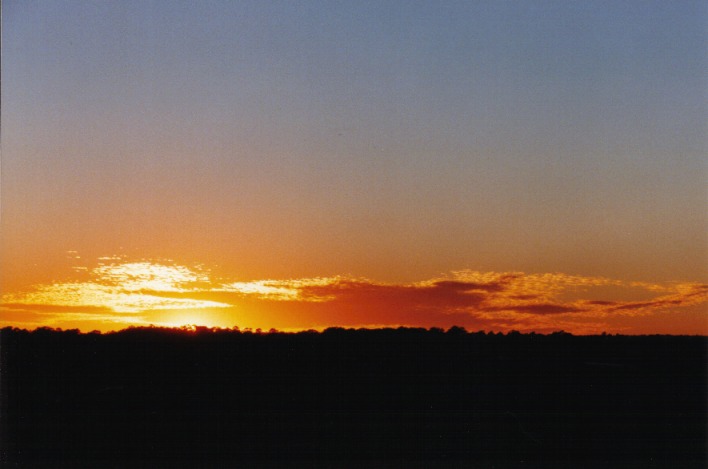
pixel 444 294
pixel 541 308
pixel 87 295
pixel 280 290
pixel 683 294
pixel 57 308
pixel 118 290
pixel 137 276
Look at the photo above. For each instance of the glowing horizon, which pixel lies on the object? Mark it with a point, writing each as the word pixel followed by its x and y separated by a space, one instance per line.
pixel 119 293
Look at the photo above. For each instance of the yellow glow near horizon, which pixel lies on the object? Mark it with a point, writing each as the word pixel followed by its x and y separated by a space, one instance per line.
pixel 192 318
pixel 124 293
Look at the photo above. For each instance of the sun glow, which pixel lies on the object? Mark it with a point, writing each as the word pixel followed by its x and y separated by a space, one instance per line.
pixel 191 318
pixel 117 292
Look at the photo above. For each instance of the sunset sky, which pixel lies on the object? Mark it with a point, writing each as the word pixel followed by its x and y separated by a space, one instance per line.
pixel 496 165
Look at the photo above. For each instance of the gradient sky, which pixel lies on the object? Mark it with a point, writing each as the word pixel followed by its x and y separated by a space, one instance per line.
pixel 298 164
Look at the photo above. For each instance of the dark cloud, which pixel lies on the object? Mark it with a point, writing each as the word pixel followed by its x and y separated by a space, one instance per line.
pixel 443 294
pixel 544 308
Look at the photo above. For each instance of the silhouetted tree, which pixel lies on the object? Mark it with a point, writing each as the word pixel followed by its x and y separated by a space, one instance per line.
pixel 227 398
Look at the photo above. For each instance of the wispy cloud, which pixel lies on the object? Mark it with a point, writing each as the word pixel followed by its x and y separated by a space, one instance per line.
pixel 117 290
pixel 281 290
pixel 120 288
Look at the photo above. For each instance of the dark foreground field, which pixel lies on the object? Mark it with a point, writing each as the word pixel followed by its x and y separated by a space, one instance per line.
pixel 385 398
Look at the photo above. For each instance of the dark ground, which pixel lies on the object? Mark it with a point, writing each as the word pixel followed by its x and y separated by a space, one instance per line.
pixel 377 398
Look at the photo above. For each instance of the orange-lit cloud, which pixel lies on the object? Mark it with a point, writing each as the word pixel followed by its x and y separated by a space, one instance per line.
pixel 117 293
pixel 114 294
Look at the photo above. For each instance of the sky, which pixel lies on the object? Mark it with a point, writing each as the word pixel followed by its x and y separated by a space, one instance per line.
pixel 532 166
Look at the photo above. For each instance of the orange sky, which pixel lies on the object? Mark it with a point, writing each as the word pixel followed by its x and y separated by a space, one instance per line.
pixel 115 292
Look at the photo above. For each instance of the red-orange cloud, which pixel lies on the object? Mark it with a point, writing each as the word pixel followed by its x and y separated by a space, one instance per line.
pixel 149 292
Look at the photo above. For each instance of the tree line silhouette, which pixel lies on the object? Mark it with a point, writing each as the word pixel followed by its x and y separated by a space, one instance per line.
pixel 153 394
